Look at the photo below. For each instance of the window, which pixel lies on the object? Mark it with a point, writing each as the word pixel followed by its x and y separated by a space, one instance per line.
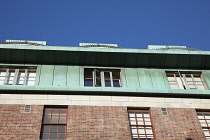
pixel 102 78
pixel 186 80
pixel 204 118
pixel 54 124
pixel 14 76
pixel 140 125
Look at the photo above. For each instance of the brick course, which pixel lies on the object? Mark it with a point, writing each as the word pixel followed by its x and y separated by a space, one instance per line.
pixel 98 123
pixel 16 125
pixel 179 124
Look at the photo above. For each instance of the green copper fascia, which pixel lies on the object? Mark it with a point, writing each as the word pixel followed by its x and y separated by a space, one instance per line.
pixel 115 91
pixel 107 57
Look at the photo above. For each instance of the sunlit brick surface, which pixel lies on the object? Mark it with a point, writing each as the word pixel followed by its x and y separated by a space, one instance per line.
pixel 17 125
pixel 98 123
pixel 179 124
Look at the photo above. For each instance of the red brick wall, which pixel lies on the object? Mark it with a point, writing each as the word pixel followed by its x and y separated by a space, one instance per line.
pixel 16 125
pixel 98 123
pixel 179 124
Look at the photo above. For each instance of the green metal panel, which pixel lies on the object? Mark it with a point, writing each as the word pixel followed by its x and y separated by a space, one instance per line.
pixel 142 60
pixel 157 78
pixel 165 79
pixel 171 60
pixel 145 78
pixel 38 73
pixel 154 60
pixel 30 57
pixel 61 57
pixel 5 56
pixel 132 78
pixel 48 57
pixel 73 58
pixel 130 59
pixel 102 59
pixel 81 76
pixel 207 62
pixel 206 76
pixel 46 77
pixel 73 75
pixel 183 61
pixel 60 76
pixel 195 61
pixel 123 78
pixel 17 56
pixel 89 58
pixel 116 59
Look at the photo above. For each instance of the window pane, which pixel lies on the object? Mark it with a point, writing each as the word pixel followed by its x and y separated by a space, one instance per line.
pixel 134 130
pixel 53 135
pixel 62 128
pixel 207 115
pixel 88 73
pixel 203 123
pixel 116 75
pixel 63 112
pixel 32 74
pixel 54 119
pixel 131 114
pixel 200 115
pixel 107 83
pixel 62 119
pixel 44 136
pixel 133 121
pixel 2 73
pixel 141 130
pixel 140 121
pixel 147 121
pixel 55 112
pixel 89 82
pixel 146 114
pixel 148 130
pixel 1 82
pixel 54 128
pixel 30 82
pixel 116 83
pixel 46 128
pixel 61 136
pixel 107 75
pixel 48 111
pixel 47 119
pixel 139 114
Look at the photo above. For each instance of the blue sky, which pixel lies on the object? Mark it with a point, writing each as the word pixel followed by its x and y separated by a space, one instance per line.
pixel 128 23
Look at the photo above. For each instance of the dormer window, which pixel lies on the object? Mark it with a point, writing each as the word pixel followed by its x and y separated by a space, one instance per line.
pixel 102 78
pixel 17 76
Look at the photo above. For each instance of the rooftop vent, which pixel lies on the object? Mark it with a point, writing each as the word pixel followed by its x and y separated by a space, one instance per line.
pixel 25 42
pixel 173 48
pixel 98 45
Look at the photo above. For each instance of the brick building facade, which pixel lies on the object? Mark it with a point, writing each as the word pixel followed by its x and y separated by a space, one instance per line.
pixel 101 91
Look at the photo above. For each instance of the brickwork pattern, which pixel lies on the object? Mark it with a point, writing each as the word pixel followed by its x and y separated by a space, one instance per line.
pixel 17 125
pixel 98 123
pixel 179 124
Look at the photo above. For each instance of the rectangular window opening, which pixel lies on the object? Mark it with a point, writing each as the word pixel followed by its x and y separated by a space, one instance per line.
pixel 102 78
pixel 140 125
pixel 17 75
pixel 204 118
pixel 186 80
pixel 54 123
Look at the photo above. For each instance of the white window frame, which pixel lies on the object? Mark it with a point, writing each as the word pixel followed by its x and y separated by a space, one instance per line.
pixel 102 79
pixel 16 75
pixel 183 83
